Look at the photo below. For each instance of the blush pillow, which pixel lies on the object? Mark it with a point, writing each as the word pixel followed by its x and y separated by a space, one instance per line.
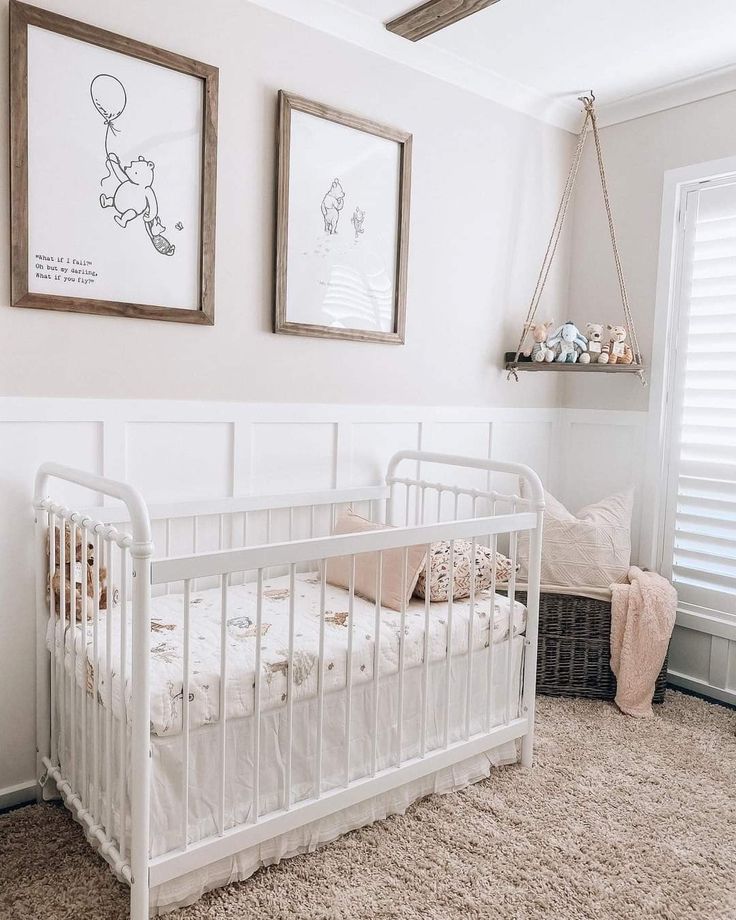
pixel 392 596
pixel 590 548
pixel 439 570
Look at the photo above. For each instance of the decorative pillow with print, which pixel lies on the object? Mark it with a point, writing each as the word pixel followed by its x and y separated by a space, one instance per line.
pixel 439 570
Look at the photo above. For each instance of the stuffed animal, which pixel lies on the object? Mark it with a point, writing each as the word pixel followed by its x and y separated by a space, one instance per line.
pixel 595 343
pixel 540 351
pixel 568 343
pixel 617 351
pixel 73 573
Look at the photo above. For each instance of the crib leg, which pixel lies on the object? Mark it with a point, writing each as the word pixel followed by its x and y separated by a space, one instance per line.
pixel 139 899
pixel 527 749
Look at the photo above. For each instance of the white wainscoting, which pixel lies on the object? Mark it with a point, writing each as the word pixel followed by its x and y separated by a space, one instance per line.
pixel 183 450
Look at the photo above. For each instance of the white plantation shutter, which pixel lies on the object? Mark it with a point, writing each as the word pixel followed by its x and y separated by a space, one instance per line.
pixel 700 528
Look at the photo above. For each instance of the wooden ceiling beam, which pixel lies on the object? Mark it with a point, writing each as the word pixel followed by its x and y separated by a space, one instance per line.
pixel 434 15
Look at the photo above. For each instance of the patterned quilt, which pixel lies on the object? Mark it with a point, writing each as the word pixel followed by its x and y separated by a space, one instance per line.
pixel 167 647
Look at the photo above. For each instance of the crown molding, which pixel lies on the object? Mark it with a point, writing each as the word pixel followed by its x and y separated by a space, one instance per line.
pixel 359 29
pixel 561 111
pixel 679 92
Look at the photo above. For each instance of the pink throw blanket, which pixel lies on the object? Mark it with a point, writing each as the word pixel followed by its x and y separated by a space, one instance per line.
pixel 642 620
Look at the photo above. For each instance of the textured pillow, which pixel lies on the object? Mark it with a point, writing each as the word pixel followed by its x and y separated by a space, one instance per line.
pixel 592 547
pixel 338 569
pixel 439 570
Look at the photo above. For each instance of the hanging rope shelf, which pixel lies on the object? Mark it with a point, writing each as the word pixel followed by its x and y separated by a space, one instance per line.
pixel 516 360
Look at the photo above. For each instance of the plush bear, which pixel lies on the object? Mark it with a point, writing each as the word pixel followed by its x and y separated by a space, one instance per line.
pixel 595 343
pixel 568 343
pixel 73 573
pixel 617 351
pixel 540 351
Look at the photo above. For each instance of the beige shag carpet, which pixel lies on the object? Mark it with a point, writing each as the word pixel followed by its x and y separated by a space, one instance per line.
pixel 618 819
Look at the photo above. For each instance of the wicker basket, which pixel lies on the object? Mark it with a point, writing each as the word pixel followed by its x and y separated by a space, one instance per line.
pixel 574 657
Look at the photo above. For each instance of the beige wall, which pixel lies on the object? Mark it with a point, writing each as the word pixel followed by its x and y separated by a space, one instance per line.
pixel 485 186
pixel 637 154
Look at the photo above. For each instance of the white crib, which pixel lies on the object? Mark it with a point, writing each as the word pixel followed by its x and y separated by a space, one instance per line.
pixel 272 737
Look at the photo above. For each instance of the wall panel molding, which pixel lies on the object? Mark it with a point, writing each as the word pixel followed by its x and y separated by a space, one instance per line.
pixel 174 449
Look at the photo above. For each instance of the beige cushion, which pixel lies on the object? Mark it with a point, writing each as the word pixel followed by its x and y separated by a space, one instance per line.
pixel 392 573
pixel 591 548
pixel 439 570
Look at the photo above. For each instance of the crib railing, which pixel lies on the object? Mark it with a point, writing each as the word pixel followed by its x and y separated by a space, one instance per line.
pixel 99 754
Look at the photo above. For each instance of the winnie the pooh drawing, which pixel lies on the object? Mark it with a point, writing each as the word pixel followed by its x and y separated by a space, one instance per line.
pixel 332 204
pixel 134 196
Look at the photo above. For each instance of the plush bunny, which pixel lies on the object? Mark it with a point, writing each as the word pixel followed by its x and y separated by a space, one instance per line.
pixel 568 343
pixel 616 351
pixel 71 580
pixel 595 343
pixel 540 351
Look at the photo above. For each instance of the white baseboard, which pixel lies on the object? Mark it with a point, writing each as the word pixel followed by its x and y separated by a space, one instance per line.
pixel 702 687
pixel 20 794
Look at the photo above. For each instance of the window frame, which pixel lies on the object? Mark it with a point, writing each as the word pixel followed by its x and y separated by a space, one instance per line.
pixel 680 188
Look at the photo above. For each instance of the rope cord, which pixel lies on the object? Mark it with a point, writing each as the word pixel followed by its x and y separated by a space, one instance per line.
pixel 590 117
pixel 628 318
pixel 555 237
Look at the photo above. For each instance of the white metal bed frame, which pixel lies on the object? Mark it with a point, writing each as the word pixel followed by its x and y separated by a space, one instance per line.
pixel 85 783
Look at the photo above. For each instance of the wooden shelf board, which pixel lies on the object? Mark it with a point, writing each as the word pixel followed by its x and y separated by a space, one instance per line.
pixel 511 364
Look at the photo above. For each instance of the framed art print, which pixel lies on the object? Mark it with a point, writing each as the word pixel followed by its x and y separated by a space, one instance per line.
pixel 342 224
pixel 113 172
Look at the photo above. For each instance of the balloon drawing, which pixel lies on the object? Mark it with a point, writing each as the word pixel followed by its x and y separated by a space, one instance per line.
pixel 108 96
pixel 133 196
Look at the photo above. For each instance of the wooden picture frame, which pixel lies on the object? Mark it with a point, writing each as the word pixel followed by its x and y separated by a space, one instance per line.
pixel 195 244
pixel 395 274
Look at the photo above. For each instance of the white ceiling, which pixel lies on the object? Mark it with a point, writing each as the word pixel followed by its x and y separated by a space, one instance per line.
pixel 538 55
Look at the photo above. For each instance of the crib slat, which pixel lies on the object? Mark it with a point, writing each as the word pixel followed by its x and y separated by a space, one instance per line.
pixel 85 573
pixel 408 504
pixel 96 713
pixel 123 724
pixel 54 650
pixel 223 698
pixel 439 505
pixel 62 617
pixel 167 549
pixel 321 680
pixel 376 661
pixel 257 700
pixel 73 655
pixel 448 650
pixel 185 713
pixel 349 671
pixel 510 638
pixel 422 497
pixel 471 625
pixel 491 629
pixel 425 654
pixel 290 692
pixel 108 688
pixel 402 652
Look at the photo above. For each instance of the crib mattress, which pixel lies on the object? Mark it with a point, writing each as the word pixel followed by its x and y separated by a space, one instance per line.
pixel 167 647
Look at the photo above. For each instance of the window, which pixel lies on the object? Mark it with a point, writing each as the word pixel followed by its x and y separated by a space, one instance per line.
pixel 698 548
